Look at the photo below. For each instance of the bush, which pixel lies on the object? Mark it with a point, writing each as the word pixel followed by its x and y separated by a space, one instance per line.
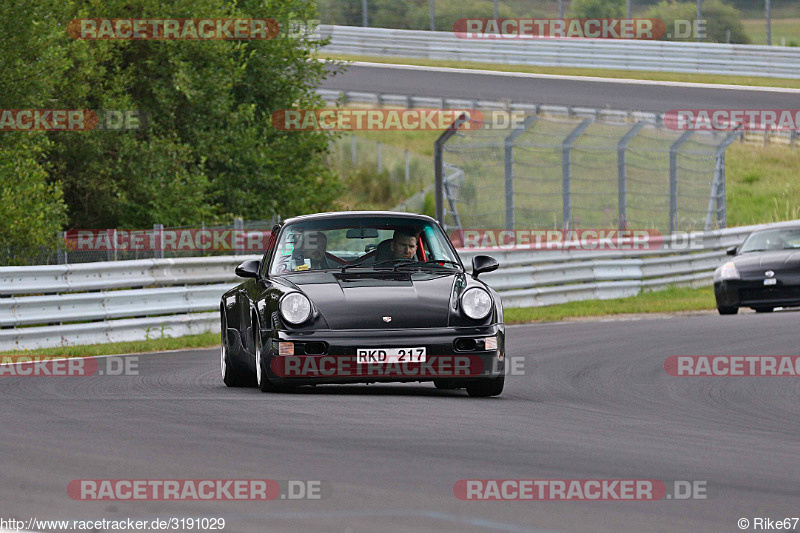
pixel 597 9
pixel 718 17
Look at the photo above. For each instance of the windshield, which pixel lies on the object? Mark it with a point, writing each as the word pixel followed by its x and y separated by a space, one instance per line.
pixel 363 242
pixel 777 239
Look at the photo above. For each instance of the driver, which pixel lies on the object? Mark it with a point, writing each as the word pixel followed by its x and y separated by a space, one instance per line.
pixel 316 244
pixel 404 244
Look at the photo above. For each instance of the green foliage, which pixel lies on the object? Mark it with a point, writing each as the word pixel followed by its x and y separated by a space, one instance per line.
pixel 719 18
pixel 597 9
pixel 208 151
pixel 31 205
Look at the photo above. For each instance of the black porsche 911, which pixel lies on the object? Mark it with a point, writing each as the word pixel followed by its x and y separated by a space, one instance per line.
pixel 763 274
pixel 362 297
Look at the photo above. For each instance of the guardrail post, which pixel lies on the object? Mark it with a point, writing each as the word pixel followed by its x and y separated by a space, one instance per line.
pixel 158 231
pixel 622 187
pixel 566 178
pixel 673 180
pixel 438 164
pixel 509 167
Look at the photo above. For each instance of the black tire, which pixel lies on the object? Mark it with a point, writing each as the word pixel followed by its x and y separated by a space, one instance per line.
pixel 232 376
pixel 486 387
pixel 262 380
pixel 764 309
pixel 727 310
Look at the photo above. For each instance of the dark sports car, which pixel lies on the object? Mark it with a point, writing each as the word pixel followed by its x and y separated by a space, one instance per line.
pixel 362 297
pixel 763 274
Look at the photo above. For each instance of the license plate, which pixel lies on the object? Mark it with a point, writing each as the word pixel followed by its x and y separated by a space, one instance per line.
pixel 390 355
pixel 771 281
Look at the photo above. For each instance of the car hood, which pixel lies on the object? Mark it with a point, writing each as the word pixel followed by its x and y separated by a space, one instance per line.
pixel 777 260
pixel 362 300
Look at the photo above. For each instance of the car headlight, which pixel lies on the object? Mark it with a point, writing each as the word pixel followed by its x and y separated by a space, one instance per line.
pixel 476 303
pixel 295 308
pixel 728 271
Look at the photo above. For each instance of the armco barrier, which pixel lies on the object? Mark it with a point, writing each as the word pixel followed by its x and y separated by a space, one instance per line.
pixel 667 56
pixel 42 306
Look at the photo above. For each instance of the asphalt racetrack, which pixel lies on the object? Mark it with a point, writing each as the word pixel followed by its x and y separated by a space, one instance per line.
pixel 554 90
pixel 593 402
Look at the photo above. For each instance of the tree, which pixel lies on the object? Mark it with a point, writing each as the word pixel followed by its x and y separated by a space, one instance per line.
pixel 208 151
pixel 32 209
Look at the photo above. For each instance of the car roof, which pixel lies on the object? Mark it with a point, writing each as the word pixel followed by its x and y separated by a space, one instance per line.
pixel 358 214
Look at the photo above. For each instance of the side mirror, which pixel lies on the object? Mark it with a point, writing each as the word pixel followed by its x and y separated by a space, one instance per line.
pixel 731 250
pixel 248 269
pixel 483 263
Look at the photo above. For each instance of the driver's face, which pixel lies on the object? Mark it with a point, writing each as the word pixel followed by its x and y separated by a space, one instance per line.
pixel 404 247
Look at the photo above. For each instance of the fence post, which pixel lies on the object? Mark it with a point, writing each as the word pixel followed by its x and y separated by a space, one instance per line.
pixel 718 187
pixel 438 164
pixel 62 248
pixel 238 227
pixel 566 178
pixel 622 187
pixel 158 230
pixel 509 167
pixel 673 180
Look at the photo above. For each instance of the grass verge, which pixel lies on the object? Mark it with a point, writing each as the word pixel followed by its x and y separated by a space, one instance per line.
pixel 754 81
pixel 669 300
pixel 203 340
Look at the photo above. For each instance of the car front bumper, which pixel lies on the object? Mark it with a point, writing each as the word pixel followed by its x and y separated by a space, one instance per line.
pixel 329 356
pixel 753 293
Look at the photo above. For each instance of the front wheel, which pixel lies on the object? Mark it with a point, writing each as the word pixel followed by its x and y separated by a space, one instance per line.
pixel 486 387
pixel 727 310
pixel 261 373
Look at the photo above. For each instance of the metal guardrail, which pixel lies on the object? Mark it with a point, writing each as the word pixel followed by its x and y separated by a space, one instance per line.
pixel 666 56
pixel 78 304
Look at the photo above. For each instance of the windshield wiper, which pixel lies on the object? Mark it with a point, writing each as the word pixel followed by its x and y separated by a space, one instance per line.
pixel 430 262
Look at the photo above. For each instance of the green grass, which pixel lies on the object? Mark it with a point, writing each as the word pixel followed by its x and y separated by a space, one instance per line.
pixel 788 28
pixel 669 300
pixel 563 71
pixel 762 184
pixel 203 340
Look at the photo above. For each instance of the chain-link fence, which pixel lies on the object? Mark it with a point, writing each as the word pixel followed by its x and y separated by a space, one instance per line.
pixel 583 172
